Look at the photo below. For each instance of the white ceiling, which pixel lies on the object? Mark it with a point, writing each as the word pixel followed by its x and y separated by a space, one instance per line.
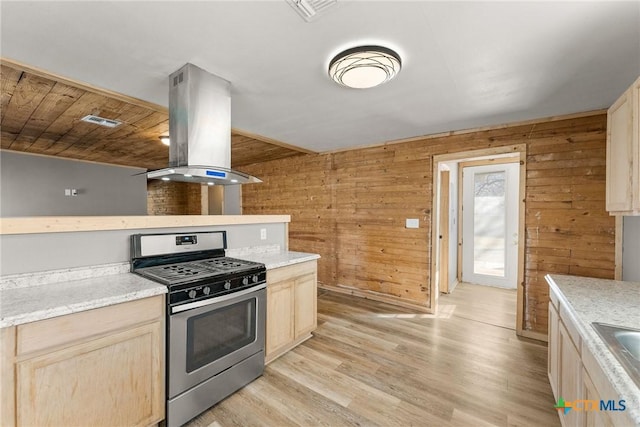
pixel 466 64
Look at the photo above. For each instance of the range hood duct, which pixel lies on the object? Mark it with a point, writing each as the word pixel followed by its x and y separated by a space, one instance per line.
pixel 200 130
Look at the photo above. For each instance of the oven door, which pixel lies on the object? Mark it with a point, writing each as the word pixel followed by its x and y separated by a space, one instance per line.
pixel 207 337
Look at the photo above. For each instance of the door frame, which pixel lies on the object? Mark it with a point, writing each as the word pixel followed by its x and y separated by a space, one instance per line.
pixel 461 166
pixel 443 232
pixel 518 152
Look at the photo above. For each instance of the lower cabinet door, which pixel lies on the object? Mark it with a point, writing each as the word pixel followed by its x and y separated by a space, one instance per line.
pixel 593 418
pixel 305 305
pixel 570 376
pixel 554 350
pixel 115 380
pixel 280 329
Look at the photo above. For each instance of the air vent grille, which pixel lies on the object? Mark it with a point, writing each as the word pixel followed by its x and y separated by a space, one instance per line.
pixel 101 121
pixel 178 79
pixel 309 10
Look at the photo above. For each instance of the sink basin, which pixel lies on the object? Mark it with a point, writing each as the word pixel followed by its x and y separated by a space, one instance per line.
pixel 630 341
pixel 624 344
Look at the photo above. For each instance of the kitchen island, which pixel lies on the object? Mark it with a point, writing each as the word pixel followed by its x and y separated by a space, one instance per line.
pixel 31 297
pixel 581 366
pixel 68 303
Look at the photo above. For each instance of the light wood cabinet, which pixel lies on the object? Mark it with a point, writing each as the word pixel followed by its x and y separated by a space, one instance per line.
pixel 569 375
pixel 305 307
pixel 575 375
pixel 291 307
pixel 564 365
pixel 280 320
pixel 593 418
pixel 623 153
pixel 553 350
pixel 101 367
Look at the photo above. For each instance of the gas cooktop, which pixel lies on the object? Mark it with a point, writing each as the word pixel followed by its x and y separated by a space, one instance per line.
pixel 189 271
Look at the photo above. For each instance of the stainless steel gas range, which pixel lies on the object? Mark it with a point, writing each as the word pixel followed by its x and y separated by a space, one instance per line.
pixel 216 315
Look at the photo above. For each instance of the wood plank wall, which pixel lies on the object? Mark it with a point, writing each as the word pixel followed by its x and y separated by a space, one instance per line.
pixel 173 198
pixel 350 207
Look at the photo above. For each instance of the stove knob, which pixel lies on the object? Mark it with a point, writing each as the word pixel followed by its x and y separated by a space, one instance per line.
pixel 206 290
pixel 255 278
pixel 192 293
pixel 245 281
pixel 227 285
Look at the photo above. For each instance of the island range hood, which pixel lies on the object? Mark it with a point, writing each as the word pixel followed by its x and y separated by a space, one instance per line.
pixel 200 130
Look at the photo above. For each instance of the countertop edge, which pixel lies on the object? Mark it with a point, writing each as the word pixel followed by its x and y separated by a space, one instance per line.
pixel 63 310
pixel 615 373
pixel 61 224
pixel 309 257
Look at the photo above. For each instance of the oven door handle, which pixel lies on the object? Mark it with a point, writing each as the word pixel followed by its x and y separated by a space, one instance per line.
pixel 215 300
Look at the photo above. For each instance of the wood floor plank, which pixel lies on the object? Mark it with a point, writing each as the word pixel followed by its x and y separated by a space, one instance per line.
pixel 374 364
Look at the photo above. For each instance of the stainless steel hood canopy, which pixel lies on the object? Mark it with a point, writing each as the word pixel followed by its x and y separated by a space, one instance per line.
pixel 200 130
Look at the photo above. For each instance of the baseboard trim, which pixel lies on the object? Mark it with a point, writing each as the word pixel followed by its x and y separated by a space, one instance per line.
pixel 534 336
pixel 389 299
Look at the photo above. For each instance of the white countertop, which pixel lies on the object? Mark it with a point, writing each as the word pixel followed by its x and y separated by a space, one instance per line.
pixel 607 301
pixel 30 297
pixel 37 296
pixel 279 259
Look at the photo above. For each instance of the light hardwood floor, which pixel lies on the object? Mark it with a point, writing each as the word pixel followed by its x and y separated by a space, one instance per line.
pixel 371 364
pixel 495 306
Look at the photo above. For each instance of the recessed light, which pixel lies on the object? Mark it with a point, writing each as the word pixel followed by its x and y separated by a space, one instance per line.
pixel 209 183
pixel 166 178
pixel 187 175
pixel 234 180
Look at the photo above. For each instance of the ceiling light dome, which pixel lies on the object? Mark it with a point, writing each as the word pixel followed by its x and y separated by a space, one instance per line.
pixel 363 67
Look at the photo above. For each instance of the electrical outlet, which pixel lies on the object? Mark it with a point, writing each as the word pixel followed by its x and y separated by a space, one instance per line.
pixel 263 234
pixel 412 223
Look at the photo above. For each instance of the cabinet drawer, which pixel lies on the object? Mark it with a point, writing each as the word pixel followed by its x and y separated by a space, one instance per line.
pixel 284 273
pixel 569 323
pixel 553 298
pixel 58 331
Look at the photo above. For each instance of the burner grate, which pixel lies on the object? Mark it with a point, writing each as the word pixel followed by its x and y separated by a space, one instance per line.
pixel 177 272
pixel 194 270
pixel 222 264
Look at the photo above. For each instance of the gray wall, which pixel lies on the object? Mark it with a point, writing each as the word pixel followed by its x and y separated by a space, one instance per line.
pixel 33 185
pixel 225 200
pixel 26 253
pixel 631 249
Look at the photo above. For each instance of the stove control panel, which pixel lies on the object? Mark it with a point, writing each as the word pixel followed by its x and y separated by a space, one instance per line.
pixel 211 289
pixel 187 240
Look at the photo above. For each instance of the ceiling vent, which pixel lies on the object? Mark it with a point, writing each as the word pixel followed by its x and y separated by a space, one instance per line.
pixel 101 121
pixel 309 10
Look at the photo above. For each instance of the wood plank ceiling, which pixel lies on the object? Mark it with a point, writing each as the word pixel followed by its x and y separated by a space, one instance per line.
pixel 40 114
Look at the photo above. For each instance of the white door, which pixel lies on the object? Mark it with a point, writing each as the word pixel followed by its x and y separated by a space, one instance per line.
pixel 490 224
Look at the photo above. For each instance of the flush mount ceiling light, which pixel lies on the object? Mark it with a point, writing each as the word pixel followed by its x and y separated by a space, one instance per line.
pixel 165 140
pixel 363 67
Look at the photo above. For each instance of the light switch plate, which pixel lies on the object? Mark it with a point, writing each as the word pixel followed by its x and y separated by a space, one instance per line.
pixel 412 223
pixel 263 234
